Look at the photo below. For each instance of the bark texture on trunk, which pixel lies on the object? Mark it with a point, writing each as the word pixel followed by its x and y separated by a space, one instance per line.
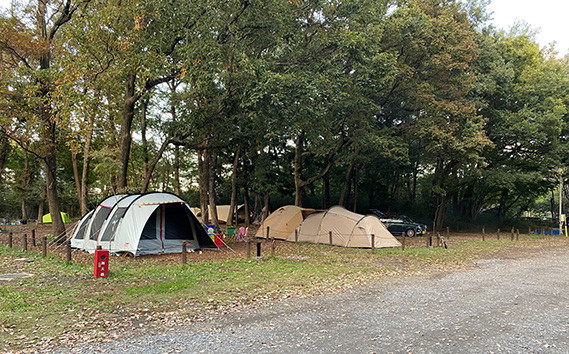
pixel 233 202
pixel 130 98
pixel 143 111
pixel 344 195
pixel 48 130
pixel 326 193
pixel 83 200
pixel 211 190
pixel 40 207
pixel 25 185
pixel 152 166
pixel 203 184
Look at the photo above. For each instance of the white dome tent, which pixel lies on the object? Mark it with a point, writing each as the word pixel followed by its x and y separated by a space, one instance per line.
pixel 150 223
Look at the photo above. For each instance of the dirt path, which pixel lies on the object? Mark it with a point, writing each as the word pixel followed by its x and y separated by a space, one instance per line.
pixel 501 306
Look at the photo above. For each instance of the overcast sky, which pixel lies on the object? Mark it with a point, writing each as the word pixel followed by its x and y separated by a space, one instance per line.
pixel 547 16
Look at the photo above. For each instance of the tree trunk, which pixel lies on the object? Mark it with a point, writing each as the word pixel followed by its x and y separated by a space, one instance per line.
pixel 298 187
pixel 346 188
pixel 41 205
pixel 130 99
pixel 75 165
pixel 48 132
pixel 233 203
pixel 85 172
pixel 266 202
pixel 355 189
pixel 212 205
pixel 4 149
pixel 203 184
pixel 177 189
pixel 152 166
pixel 25 185
pixel 143 111
pixel 326 194
pixel 246 205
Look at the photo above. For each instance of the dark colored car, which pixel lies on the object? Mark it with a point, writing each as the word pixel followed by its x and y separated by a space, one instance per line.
pixel 398 224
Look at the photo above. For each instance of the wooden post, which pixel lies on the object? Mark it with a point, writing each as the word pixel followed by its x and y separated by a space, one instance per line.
pixel 268 229
pixel 529 230
pixel 372 243
pixel 483 233
pixel 10 240
pixel 403 241
pixel 34 237
pixel 296 235
pixel 184 253
pixel 430 241
pixel 427 238
pixel 330 237
pixel 25 242
pixel 248 248
pixel 512 234
pixel 258 249
pixel 517 234
pixel 44 246
pixel 498 234
pixel 438 239
pixel 272 247
pixel 68 247
pixel 448 232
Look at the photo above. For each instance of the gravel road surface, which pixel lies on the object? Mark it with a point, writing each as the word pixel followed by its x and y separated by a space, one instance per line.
pixel 501 306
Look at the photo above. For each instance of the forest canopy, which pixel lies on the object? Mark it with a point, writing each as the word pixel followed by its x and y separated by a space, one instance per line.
pixel 419 106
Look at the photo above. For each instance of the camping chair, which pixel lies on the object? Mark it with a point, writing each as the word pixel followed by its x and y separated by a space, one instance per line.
pixel 230 234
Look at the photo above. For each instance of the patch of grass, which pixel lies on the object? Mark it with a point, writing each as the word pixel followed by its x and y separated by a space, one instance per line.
pixel 64 297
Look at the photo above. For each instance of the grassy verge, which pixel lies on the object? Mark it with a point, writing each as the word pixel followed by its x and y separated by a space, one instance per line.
pixel 63 302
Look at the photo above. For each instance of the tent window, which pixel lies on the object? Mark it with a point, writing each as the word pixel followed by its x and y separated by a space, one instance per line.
pixel 98 222
pixel 83 228
pixel 178 222
pixel 113 224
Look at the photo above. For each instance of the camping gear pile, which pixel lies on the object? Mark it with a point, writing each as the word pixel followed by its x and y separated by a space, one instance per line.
pixel 140 224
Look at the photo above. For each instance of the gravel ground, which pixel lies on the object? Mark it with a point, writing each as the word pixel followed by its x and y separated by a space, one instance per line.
pixel 506 306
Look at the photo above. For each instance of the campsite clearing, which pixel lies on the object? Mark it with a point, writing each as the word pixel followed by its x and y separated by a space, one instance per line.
pixel 62 302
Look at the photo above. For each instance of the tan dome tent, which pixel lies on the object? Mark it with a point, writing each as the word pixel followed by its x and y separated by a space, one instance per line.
pixel 283 221
pixel 348 229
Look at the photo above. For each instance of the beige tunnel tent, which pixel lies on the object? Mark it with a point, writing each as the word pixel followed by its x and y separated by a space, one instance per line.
pixel 283 221
pixel 348 229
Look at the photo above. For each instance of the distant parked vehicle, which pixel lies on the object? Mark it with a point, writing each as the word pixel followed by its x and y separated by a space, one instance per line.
pixel 398 224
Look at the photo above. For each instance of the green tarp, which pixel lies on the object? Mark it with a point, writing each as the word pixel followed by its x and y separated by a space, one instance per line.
pixel 46 219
